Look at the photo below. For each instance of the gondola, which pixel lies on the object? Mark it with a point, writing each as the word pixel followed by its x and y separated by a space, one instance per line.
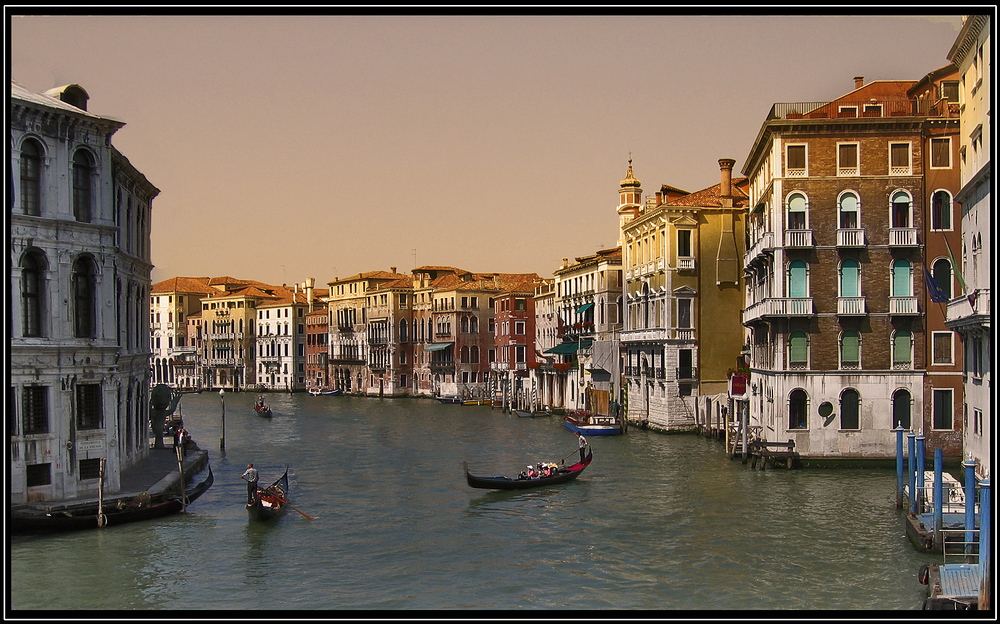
pixel 507 483
pixel 322 392
pixel 261 408
pixel 270 502
pixel 32 520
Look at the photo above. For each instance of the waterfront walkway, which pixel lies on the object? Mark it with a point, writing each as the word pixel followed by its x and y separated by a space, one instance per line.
pixel 155 474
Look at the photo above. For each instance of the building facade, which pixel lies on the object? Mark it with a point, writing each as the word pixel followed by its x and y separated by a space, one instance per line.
pixel 684 294
pixel 172 302
pixel 347 307
pixel 835 298
pixel 970 309
pixel 80 274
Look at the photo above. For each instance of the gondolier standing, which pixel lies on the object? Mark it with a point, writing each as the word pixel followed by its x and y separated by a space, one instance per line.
pixel 250 476
pixel 583 445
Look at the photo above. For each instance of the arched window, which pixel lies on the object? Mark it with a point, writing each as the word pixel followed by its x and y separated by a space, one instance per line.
pixel 901 404
pixel 850 349
pixel 465 324
pixel 474 355
pixel 465 355
pixel 32 266
pixel 902 342
pixel 798 406
pixel 798 348
pixel 900 210
pixel 941 210
pixel 402 330
pixel 797 212
pixel 902 285
pixel 84 298
pixel 797 286
pixel 849 211
pixel 31 178
pixel 850 409
pixel 850 278
pixel 942 275
pixel 474 325
pixel 82 197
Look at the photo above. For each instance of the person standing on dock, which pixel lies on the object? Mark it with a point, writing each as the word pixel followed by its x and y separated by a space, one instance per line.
pixel 250 476
pixel 583 445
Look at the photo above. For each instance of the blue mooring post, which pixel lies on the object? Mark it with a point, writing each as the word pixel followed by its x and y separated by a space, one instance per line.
pixel 985 543
pixel 911 469
pixel 899 466
pixel 938 494
pixel 921 464
pixel 970 503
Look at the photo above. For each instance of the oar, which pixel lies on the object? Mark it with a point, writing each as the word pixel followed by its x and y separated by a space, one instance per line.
pixel 308 517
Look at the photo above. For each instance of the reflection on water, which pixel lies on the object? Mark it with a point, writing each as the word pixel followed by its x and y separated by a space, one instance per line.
pixel 656 522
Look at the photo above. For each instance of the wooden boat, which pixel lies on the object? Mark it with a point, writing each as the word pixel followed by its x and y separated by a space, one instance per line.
pixel 476 402
pixel 270 502
pixel 323 392
pixel 594 424
pixel 530 414
pixel 261 408
pixel 32 520
pixel 449 398
pixel 507 483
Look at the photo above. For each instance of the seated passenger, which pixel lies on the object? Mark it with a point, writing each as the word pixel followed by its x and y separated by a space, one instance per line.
pixel 531 472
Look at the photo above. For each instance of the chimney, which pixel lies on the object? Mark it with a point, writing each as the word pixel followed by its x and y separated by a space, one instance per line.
pixel 659 198
pixel 859 81
pixel 726 185
pixel 393 269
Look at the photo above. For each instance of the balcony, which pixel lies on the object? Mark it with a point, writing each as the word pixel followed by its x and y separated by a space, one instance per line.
pixel 649 334
pixel 798 238
pixel 684 333
pixel 903 237
pixel 763 243
pixel 971 310
pixel 849 237
pixel 687 373
pixel 851 306
pixel 903 306
pixel 685 263
pixel 770 308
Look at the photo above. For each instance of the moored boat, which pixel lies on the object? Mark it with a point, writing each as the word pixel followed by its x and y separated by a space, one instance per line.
pixel 501 482
pixel 30 520
pixel 594 424
pixel 270 502
pixel 323 392
pixel 532 414
pixel 449 398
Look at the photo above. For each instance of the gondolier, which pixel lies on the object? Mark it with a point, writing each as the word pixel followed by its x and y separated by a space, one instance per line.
pixel 583 445
pixel 250 476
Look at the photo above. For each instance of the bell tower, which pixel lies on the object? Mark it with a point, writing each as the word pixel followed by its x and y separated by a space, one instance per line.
pixel 629 199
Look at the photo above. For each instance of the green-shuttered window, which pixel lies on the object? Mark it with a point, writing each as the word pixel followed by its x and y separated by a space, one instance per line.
pixel 901 343
pixel 850 349
pixel 798 348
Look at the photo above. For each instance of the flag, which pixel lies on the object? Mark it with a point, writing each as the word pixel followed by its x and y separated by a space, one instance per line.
pixel 954 267
pixel 937 294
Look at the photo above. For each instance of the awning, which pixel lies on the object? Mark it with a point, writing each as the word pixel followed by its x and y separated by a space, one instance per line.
pixel 567 348
pixel 584 308
pixel 437 346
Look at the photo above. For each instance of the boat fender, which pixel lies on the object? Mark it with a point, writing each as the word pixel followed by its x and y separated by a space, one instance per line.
pixel 924 574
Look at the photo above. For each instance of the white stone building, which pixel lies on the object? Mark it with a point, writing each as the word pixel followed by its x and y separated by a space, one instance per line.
pixel 80 280
pixel 969 313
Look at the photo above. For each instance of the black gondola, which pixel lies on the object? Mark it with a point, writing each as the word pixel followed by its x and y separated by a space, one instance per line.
pixel 31 520
pixel 261 408
pixel 506 483
pixel 270 502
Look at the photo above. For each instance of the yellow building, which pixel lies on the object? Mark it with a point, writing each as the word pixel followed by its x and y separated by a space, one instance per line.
pixel 683 299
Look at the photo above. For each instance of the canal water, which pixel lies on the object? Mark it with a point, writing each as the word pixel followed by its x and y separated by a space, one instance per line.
pixel 656 522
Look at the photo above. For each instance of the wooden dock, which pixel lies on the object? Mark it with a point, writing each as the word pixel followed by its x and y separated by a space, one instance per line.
pixel 952 587
pixel 763 452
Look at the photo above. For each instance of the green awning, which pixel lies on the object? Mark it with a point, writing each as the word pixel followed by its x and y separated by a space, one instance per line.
pixel 584 308
pixel 567 348
pixel 437 346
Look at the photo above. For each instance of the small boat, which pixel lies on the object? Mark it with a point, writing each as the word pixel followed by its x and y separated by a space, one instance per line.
pixel 323 392
pixel 476 402
pixel 594 424
pixel 506 483
pixel 270 502
pixel 261 408
pixel 72 518
pixel 450 398
pixel 530 414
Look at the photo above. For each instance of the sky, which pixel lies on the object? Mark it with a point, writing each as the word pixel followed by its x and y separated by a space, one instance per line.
pixel 289 146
